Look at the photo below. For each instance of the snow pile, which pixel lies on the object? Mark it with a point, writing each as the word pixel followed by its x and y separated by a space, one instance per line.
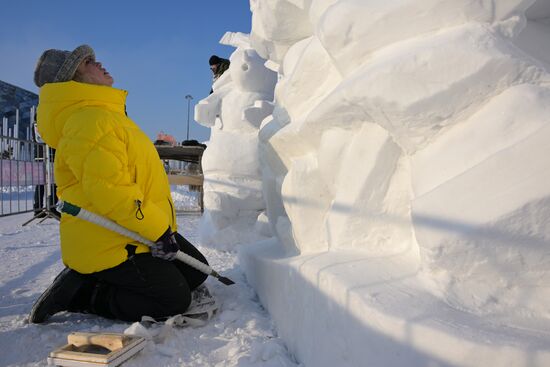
pixel 410 137
pixel 232 188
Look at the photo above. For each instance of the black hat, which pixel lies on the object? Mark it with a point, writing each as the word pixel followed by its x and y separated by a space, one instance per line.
pixel 214 60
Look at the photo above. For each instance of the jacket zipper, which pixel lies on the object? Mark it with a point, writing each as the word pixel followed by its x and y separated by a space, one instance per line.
pixel 172 212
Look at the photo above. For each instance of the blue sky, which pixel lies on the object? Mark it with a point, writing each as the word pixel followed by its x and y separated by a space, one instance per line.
pixel 157 51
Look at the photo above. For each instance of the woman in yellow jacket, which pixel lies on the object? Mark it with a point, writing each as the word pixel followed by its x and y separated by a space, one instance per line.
pixel 107 165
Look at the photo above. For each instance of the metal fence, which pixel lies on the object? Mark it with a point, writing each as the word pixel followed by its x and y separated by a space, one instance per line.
pixel 27 181
pixel 23 175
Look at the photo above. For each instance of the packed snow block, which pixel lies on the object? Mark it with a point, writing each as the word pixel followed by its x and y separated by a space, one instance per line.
pixel 289 142
pixel 225 210
pixel 247 188
pixel 235 111
pixel 232 205
pixel 533 39
pixel 246 84
pixel 274 171
pixel 235 232
pixel 233 153
pixel 272 179
pixel 333 148
pixel 348 309
pixel 207 110
pixel 418 87
pixel 500 269
pixel 307 75
pixel 274 207
pixel 249 74
pixel 306 202
pixel 236 39
pixel 238 112
pixel 484 234
pixel 276 25
pixel 539 10
pixel 254 115
pixel 244 103
pixel 505 120
pixel 262 225
pixel 269 157
pixel 301 135
pixel 285 236
pixel 359 216
pixel 241 218
pixel 235 197
pixel 351 30
pixel 317 9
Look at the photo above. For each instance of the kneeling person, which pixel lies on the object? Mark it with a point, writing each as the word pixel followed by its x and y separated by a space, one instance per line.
pixel 107 165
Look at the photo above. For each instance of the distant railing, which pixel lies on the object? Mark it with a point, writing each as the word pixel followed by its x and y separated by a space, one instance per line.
pixel 183 166
pixel 25 170
pixel 22 175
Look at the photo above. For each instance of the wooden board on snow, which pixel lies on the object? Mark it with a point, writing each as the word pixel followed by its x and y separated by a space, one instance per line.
pixel 96 349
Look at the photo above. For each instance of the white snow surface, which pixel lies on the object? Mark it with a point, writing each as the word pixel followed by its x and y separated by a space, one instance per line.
pixel 241 334
pixel 405 169
pixel 184 199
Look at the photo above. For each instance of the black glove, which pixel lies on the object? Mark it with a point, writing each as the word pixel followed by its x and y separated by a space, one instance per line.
pixel 166 246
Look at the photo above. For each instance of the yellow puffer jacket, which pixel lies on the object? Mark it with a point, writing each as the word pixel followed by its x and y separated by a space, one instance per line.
pixel 104 163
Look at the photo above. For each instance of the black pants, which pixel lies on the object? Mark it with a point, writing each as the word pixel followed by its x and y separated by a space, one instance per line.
pixel 144 285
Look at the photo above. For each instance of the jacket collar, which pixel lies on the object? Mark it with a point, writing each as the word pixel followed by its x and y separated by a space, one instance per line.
pixel 58 101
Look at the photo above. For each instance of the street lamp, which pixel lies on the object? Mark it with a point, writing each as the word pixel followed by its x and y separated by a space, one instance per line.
pixel 188 98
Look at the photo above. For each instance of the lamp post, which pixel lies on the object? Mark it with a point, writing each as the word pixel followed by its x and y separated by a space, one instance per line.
pixel 188 98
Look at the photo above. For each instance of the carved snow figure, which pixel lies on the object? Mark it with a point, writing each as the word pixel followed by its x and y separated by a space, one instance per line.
pixel 234 111
pixel 411 132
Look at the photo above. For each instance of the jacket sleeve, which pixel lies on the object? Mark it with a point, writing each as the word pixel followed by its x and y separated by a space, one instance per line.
pixel 96 152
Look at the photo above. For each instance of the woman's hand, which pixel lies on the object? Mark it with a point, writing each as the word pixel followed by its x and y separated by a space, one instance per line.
pixel 166 246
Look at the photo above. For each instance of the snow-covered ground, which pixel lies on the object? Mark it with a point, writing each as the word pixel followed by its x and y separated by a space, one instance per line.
pixel 242 334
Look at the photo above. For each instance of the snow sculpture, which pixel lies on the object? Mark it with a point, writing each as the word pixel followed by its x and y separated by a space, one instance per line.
pixel 232 189
pixel 415 127
pixel 276 37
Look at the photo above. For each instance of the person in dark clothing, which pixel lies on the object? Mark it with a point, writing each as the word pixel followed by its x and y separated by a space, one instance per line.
pixel 147 283
pixel 218 67
pixel 40 207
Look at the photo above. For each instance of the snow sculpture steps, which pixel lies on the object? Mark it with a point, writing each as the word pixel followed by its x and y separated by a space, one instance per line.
pixel 369 311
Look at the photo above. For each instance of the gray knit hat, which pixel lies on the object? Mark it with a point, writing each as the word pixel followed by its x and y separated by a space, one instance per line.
pixel 56 66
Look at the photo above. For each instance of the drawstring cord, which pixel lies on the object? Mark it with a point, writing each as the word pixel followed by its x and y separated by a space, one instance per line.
pixel 139 213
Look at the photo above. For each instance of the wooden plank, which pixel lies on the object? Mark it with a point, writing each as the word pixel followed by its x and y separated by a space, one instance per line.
pixel 106 340
pixel 116 360
pixel 196 180
pixel 84 352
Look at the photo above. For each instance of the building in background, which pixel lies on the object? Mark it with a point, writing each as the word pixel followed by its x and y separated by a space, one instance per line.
pixel 15 106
